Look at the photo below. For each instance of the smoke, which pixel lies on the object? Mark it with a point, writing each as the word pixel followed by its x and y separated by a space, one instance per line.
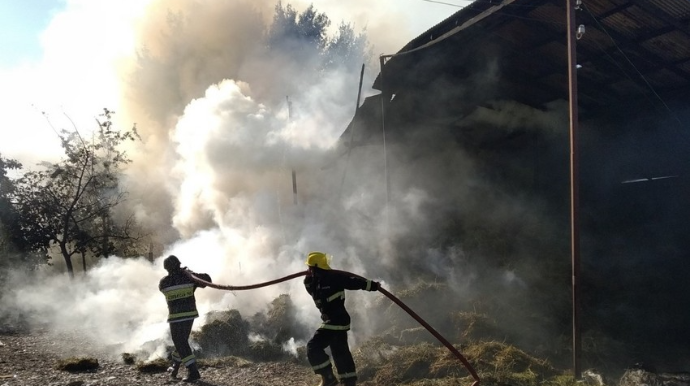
pixel 112 305
pixel 225 123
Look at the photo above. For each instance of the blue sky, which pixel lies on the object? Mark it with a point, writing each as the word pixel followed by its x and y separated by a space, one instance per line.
pixel 21 24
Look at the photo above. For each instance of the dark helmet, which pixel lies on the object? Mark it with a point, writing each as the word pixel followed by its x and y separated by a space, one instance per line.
pixel 171 263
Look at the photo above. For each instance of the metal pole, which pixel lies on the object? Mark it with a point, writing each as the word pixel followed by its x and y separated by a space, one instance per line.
pixel 574 185
pixel 382 62
pixel 294 173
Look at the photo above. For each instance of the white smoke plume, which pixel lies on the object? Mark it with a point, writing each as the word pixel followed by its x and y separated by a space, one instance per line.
pixel 212 177
pixel 224 126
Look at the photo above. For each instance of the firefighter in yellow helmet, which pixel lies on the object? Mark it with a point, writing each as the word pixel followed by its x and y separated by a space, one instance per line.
pixel 327 288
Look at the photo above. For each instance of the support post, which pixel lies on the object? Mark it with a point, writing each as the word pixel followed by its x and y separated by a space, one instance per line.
pixel 574 184
pixel 294 173
pixel 382 60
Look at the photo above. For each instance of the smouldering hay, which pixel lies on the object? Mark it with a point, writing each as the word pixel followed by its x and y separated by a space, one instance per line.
pixel 440 382
pixel 226 333
pixel 386 364
pixel 158 365
pixel 561 380
pixel 128 359
pixel 416 335
pixel 472 327
pixel 427 364
pixel 604 352
pixel 224 362
pixel 266 351
pixel 417 298
pixel 301 355
pixel 281 323
pixel 504 364
pixel 77 364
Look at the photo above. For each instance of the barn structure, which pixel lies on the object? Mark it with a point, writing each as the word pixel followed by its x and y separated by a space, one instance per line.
pixel 493 77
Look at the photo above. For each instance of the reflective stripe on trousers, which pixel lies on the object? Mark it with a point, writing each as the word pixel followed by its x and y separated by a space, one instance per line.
pixel 333 327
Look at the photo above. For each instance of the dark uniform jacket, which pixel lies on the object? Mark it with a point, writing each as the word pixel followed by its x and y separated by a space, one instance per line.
pixel 179 289
pixel 327 288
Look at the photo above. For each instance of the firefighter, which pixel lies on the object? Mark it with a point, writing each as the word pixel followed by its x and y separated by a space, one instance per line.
pixel 327 288
pixel 179 289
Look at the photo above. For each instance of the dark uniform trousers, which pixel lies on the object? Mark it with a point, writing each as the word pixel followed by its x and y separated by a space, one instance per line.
pixel 180 331
pixel 342 356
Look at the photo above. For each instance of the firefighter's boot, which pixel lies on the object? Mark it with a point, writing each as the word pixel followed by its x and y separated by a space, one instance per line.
pixel 192 373
pixel 174 369
pixel 328 378
pixel 349 382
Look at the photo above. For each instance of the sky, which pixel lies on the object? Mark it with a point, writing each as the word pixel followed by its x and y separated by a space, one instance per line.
pixel 22 24
pixel 60 57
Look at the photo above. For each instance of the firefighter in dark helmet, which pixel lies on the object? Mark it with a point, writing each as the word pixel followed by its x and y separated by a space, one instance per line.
pixel 327 288
pixel 179 289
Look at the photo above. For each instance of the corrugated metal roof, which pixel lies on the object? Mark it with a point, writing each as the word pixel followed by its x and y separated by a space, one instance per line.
pixel 631 49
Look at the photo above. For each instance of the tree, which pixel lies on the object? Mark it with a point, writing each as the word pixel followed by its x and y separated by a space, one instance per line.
pixel 10 230
pixel 303 37
pixel 69 204
pixel 304 34
pixel 347 49
pixel 8 215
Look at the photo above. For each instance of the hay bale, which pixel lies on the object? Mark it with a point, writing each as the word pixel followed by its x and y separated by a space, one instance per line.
pixel 561 380
pixel 128 359
pixel 407 364
pixel 416 335
pixel 423 299
pixel 427 364
pixel 400 364
pixel 158 365
pixel 473 326
pixel 77 364
pixel 279 323
pixel 266 351
pixel 225 333
pixel 501 363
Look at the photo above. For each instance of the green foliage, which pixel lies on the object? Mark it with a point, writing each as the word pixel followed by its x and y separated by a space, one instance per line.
pixel 69 203
pixel 14 251
pixel 10 231
pixel 302 38
pixel 347 49
pixel 305 32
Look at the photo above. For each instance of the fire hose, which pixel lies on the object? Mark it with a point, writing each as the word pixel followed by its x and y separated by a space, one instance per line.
pixel 390 296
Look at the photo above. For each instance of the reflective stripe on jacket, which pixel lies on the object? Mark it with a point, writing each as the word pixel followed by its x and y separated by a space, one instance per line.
pixel 327 288
pixel 179 294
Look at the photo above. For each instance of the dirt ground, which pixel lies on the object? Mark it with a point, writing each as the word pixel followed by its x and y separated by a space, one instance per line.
pixel 31 359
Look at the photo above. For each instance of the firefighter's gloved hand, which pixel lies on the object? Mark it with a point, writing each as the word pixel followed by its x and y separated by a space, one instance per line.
pixel 374 286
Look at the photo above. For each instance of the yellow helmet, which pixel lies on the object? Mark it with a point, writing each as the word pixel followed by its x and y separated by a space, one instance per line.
pixel 318 259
